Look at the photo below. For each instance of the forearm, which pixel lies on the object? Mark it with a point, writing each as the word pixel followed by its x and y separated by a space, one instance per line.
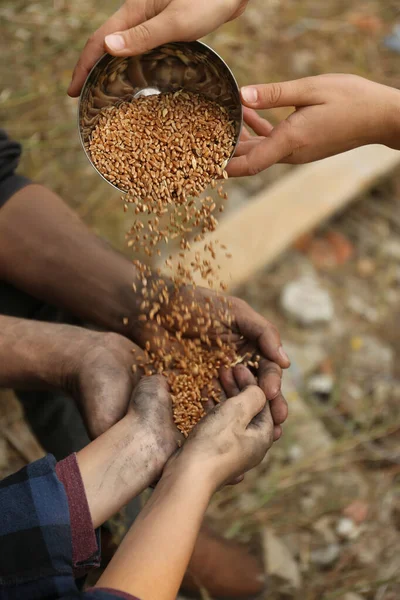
pixel 31 355
pixel 118 466
pixel 392 124
pixel 46 250
pixel 154 555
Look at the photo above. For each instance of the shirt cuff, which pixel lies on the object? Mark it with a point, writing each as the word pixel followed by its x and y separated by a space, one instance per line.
pixel 85 547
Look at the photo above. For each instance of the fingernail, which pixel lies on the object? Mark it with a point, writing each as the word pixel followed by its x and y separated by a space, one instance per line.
pixel 249 95
pixel 283 354
pixel 115 42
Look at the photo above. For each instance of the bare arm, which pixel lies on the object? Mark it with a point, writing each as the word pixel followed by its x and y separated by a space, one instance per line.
pixel 153 557
pixel 334 113
pixel 130 455
pixel 232 439
pixel 47 251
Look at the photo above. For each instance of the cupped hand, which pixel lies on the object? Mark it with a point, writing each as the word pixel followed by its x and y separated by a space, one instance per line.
pixel 333 114
pixel 140 25
pixel 234 437
pixel 151 409
pixel 101 379
pixel 251 334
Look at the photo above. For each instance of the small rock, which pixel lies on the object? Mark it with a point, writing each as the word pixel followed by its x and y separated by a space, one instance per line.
pixel 358 306
pixel 391 249
pixel 357 511
pixel 302 62
pixel 393 41
pixel 346 529
pixel 306 302
pixel 324 526
pixel 325 557
pixel 295 453
pixel 321 384
pixel 352 596
pixel 366 267
pixel 279 561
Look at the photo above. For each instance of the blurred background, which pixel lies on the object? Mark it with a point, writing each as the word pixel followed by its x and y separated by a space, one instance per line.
pixel 325 505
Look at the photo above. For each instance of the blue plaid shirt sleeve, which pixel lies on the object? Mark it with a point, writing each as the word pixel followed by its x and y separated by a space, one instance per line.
pixel 35 538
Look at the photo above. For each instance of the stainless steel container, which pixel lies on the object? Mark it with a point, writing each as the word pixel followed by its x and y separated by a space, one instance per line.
pixel 192 66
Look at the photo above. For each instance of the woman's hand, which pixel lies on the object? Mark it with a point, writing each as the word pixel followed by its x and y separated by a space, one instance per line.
pixel 333 114
pixel 140 25
pixel 233 438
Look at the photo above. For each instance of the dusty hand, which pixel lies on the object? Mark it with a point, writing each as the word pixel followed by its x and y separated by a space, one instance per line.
pixel 151 408
pixel 100 378
pixel 334 113
pixel 140 25
pixel 234 437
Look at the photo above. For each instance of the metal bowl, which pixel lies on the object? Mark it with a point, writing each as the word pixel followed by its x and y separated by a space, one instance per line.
pixel 192 66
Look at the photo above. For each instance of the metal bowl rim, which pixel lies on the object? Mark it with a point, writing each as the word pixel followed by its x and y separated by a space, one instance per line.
pixel 87 80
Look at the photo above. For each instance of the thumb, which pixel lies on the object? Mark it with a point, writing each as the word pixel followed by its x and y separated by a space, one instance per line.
pixel 278 146
pixel 142 38
pixel 249 403
pixel 301 92
pixel 151 388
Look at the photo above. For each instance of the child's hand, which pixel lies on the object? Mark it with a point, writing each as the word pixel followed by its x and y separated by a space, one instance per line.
pixel 234 437
pixel 334 113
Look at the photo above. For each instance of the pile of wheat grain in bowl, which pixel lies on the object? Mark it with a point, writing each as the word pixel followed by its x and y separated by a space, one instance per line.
pixel 164 150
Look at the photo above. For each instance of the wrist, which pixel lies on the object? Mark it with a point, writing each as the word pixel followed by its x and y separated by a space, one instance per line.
pixel 393 120
pixel 187 472
pixel 36 354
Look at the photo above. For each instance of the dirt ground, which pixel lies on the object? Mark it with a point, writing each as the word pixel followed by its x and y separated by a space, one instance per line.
pixel 325 505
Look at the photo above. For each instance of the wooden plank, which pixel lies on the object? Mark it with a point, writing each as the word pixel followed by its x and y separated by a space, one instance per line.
pixel 272 221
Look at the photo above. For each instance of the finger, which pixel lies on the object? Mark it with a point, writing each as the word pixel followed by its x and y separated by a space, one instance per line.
pixel 278 147
pixel 264 422
pixel 258 124
pixel 244 148
pixel 228 382
pixel 248 404
pixel 279 409
pixel 94 48
pixel 257 330
pixel 243 377
pixel 277 432
pixel 144 37
pixel 245 134
pixel 269 378
pixel 237 480
pixel 155 386
pixel 301 92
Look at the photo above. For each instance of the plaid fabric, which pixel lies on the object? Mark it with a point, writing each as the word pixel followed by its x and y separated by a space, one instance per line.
pixel 35 538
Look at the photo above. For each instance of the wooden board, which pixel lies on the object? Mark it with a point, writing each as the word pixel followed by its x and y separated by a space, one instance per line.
pixel 273 220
